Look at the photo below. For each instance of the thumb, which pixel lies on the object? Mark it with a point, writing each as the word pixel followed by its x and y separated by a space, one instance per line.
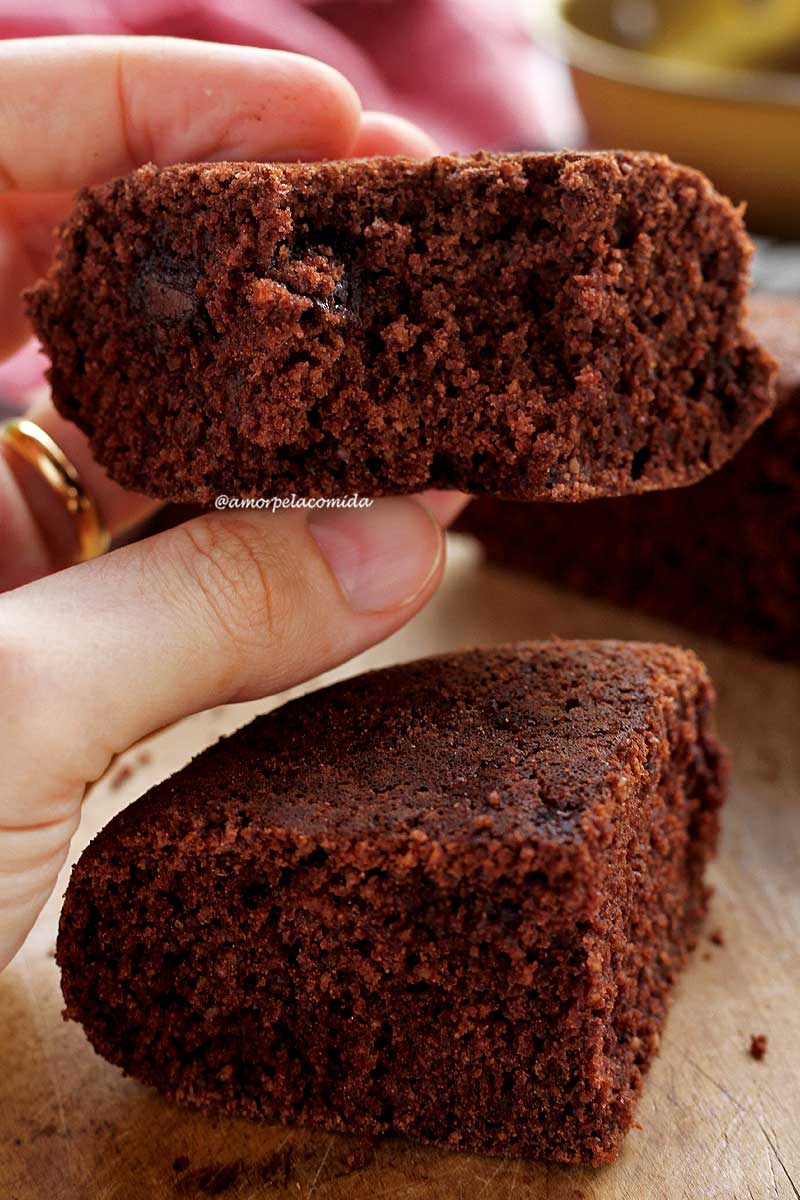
pixel 229 607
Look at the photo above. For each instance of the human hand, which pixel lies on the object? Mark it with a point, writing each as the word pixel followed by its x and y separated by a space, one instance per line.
pixel 227 607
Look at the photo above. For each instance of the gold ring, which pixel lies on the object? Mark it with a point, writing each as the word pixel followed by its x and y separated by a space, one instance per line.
pixel 46 457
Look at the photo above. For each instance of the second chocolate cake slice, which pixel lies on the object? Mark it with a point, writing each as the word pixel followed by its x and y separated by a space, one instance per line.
pixel 447 899
pixel 722 557
pixel 528 326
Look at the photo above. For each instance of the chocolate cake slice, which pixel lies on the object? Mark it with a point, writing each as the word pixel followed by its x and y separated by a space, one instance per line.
pixel 534 325
pixel 447 899
pixel 722 557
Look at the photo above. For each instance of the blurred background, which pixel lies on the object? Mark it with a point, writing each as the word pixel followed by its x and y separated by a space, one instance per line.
pixel 714 83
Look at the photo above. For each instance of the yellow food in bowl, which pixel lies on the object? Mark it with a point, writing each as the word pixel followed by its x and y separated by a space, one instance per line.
pixel 709 82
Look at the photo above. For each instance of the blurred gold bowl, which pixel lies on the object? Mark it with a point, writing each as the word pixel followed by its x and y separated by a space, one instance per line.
pixel 712 83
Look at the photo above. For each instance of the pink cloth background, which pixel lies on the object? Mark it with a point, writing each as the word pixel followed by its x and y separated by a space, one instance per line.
pixel 463 69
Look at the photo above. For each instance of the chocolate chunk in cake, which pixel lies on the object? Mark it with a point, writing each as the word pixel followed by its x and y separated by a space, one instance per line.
pixel 527 326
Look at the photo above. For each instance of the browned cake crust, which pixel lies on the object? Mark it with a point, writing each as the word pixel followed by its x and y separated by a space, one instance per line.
pixel 538 325
pixel 447 899
pixel 722 557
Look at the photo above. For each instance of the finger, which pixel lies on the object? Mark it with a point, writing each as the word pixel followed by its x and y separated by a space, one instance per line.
pixel 226 607
pixel 76 110
pixel 38 534
pixel 384 133
pixel 47 540
pixel 30 860
pixel 27 222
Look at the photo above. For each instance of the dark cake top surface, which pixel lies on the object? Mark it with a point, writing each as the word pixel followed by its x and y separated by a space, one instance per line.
pixel 517 742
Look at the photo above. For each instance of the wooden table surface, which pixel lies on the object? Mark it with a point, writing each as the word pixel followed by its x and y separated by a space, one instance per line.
pixel 715 1123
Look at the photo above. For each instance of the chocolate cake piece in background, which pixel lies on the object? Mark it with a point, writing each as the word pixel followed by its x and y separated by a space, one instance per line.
pixel 447 899
pixel 722 557
pixel 534 325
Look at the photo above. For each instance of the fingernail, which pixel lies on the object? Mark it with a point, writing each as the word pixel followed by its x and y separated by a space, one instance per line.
pixel 382 556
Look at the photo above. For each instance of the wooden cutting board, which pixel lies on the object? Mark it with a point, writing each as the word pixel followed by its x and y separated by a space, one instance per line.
pixel 715 1124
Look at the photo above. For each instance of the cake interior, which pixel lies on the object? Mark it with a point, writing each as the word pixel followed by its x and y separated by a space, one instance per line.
pixel 555 326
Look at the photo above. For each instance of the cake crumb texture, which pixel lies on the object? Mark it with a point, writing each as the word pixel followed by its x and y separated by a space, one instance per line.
pixel 448 899
pixel 529 326
pixel 722 557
